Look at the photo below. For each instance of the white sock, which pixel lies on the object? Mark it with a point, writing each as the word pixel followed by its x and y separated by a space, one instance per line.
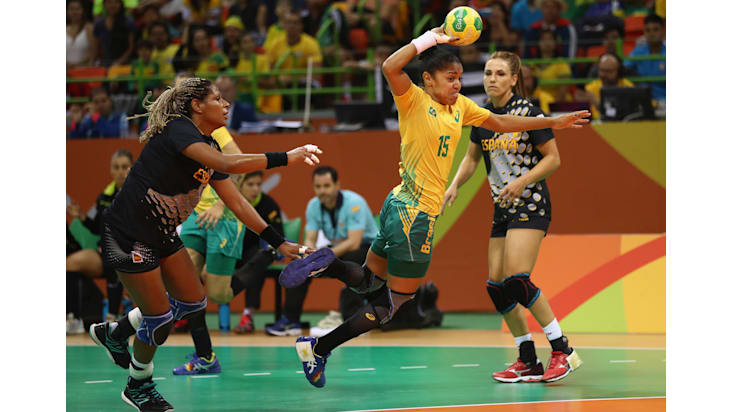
pixel 135 317
pixel 140 371
pixel 521 339
pixel 246 312
pixel 552 330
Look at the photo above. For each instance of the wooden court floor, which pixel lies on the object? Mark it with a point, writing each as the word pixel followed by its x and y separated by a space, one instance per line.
pixel 432 369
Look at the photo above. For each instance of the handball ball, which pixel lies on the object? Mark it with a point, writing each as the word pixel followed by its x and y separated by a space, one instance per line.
pixel 463 23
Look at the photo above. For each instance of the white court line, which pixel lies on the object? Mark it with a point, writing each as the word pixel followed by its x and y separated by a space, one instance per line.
pixel 299 372
pixel 204 376
pixel 466 365
pixel 102 381
pixel 258 374
pixel 287 345
pixel 508 364
pixel 159 379
pixel 507 403
pixel 623 361
pixel 412 367
pixel 360 369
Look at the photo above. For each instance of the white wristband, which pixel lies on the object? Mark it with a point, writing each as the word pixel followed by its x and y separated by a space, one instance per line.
pixel 425 41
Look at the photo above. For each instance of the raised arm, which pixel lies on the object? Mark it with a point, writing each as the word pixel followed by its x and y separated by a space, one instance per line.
pixel 245 163
pixel 393 65
pixel 510 123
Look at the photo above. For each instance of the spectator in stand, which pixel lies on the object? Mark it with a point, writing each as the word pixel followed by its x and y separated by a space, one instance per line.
pixel 195 53
pixel 524 13
pixel 276 30
pixel 272 15
pixel 497 26
pixel 145 65
pixel 163 50
pixel 203 13
pixel 249 59
pixel 79 36
pixel 553 71
pixel 610 73
pixel 344 220
pixel 148 14
pixel 101 122
pixel 551 20
pixel 538 97
pixel 238 111
pixel 610 38
pixel 253 15
pixel 293 50
pixel 114 34
pixel 654 34
pixel 233 29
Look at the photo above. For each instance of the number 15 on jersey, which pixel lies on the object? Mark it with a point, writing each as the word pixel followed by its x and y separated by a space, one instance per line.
pixel 442 150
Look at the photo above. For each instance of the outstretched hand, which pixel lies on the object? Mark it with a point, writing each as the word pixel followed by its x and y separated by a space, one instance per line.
pixel 293 250
pixel 574 120
pixel 305 153
pixel 450 195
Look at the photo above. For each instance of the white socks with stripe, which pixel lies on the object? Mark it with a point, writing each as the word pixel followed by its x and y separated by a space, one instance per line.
pixel 552 330
pixel 140 371
pixel 521 339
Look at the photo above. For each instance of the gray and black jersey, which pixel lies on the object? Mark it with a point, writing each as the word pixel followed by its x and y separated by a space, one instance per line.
pixel 508 156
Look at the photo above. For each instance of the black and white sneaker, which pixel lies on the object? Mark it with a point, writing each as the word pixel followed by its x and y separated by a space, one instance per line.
pixel 117 350
pixel 143 396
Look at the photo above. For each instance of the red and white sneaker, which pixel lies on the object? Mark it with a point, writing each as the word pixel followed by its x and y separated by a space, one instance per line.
pixel 519 372
pixel 561 365
pixel 246 325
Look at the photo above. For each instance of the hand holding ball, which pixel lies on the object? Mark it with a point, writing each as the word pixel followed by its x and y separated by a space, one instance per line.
pixel 463 23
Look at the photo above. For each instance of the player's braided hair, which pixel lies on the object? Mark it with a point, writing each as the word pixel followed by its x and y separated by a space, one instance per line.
pixel 173 102
pixel 514 63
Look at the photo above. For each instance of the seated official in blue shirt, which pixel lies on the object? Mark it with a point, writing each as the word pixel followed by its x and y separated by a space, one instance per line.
pixel 344 222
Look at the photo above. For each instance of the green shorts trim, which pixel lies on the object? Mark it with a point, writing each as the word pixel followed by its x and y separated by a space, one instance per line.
pixel 405 238
pixel 225 239
pixel 218 264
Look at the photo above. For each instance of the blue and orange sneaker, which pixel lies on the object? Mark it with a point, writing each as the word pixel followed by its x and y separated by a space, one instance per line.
pixel 199 366
pixel 297 271
pixel 312 364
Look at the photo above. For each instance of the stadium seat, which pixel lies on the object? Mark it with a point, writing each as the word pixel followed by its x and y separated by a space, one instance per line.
pixel 633 27
pixel 82 89
pixel 359 39
pixel 595 51
pixel 119 70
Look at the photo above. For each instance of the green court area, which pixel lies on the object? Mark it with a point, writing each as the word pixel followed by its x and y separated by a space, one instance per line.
pixel 358 378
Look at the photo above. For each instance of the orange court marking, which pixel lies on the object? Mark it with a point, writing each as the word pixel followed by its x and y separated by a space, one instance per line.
pixel 586 405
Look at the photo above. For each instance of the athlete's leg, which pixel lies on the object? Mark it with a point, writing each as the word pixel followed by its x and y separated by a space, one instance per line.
pixel 184 287
pixel 198 259
pixel 515 319
pixel 522 249
pixel 85 261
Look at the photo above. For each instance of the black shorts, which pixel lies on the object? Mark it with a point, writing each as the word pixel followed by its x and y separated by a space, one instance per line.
pixel 503 222
pixel 130 256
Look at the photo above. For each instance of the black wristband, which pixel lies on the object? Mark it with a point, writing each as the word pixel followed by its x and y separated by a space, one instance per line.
pixel 271 236
pixel 276 159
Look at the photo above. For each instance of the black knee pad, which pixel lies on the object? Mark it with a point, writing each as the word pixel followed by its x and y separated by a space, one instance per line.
pixel 383 306
pixel 370 282
pixel 503 303
pixel 520 288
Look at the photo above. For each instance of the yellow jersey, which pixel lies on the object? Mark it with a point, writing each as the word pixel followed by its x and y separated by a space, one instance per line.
pixel 295 56
pixel 430 133
pixel 209 196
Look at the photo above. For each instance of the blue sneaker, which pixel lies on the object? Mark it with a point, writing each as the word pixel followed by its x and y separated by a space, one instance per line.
pixel 284 327
pixel 312 364
pixel 297 271
pixel 199 366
